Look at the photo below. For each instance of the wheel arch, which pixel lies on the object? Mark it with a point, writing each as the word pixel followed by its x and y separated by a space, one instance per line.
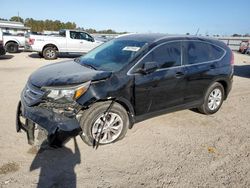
pixel 129 108
pixel 14 41
pixel 225 85
pixel 126 105
pixel 50 45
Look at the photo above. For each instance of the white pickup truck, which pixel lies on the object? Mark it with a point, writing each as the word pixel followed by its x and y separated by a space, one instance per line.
pixel 68 41
pixel 13 43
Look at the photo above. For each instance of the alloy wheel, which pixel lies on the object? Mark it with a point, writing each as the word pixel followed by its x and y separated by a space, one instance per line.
pixel 214 99
pixel 111 130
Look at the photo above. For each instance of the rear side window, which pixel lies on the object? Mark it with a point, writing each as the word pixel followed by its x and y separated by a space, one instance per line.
pixel 62 33
pixel 199 52
pixel 166 55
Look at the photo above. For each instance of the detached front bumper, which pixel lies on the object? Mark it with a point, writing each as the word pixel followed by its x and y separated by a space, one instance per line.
pixel 58 126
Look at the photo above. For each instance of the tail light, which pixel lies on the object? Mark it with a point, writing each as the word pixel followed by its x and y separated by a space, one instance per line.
pixel 1 42
pixel 31 41
pixel 232 58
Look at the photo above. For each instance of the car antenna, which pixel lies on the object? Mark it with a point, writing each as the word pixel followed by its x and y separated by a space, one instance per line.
pixel 197 31
pixel 101 126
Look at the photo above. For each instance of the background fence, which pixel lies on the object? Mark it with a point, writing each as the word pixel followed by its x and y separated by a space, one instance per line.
pixel 233 42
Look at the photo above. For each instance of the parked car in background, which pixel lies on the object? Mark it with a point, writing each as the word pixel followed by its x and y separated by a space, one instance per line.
pixel 244 45
pixel 68 41
pixel 2 49
pixel 142 75
pixel 13 43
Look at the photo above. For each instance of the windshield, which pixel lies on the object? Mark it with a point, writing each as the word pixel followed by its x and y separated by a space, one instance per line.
pixel 112 55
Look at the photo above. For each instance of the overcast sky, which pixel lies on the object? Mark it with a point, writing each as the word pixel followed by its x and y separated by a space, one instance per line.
pixel 224 17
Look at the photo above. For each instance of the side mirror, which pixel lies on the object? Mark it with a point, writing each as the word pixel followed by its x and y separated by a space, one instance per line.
pixel 148 67
pixel 91 39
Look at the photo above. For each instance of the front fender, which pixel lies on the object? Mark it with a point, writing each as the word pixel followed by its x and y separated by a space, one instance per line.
pixel 120 90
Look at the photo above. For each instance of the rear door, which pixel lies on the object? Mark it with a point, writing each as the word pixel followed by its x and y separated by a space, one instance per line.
pixel 163 88
pixel 200 61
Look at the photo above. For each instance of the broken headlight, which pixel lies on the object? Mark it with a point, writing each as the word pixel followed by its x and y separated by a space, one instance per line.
pixel 66 94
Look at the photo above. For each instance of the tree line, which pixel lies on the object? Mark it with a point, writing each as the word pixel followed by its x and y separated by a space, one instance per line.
pixel 53 25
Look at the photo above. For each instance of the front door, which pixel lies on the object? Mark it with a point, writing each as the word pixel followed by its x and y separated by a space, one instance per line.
pixel 74 42
pixel 163 88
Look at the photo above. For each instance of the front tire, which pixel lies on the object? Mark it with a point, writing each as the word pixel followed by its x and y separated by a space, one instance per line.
pixel 213 99
pixel 50 53
pixel 115 128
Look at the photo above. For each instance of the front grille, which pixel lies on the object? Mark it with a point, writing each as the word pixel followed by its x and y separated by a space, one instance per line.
pixel 32 94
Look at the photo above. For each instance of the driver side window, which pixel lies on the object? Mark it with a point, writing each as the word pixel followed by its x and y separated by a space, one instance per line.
pixel 166 55
pixel 80 36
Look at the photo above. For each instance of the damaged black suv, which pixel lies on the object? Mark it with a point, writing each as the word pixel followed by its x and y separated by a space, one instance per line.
pixel 128 79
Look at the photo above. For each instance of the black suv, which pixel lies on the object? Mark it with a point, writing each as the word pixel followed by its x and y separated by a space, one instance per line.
pixel 128 79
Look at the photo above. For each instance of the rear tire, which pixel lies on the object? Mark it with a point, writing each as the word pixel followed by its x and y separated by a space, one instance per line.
pixel 50 53
pixel 118 123
pixel 213 99
pixel 11 47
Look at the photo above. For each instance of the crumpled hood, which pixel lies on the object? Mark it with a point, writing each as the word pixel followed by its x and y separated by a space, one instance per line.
pixel 65 73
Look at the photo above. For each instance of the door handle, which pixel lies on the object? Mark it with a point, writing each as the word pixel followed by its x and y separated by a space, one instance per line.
pixel 179 74
pixel 81 42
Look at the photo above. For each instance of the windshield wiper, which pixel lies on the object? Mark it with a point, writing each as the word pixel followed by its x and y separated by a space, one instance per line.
pixel 78 60
pixel 89 66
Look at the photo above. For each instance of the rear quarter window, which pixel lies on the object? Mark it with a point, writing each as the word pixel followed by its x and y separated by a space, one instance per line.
pixel 199 52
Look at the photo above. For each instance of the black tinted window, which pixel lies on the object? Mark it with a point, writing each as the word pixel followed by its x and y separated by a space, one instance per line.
pixel 62 33
pixel 198 52
pixel 216 52
pixel 80 36
pixel 166 55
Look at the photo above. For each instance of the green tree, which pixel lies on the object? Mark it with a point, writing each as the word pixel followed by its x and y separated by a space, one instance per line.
pixel 16 19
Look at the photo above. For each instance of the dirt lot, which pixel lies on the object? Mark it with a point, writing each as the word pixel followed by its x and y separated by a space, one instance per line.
pixel 181 149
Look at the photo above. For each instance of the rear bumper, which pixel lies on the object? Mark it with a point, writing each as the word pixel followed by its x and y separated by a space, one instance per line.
pixel 229 86
pixel 55 124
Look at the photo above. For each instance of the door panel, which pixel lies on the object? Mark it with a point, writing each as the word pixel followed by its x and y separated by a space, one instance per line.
pixel 76 42
pixel 73 42
pixel 87 42
pixel 198 79
pixel 200 62
pixel 163 88
pixel 159 90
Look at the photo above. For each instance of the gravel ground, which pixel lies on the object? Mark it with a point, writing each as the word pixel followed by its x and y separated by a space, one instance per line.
pixel 181 149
